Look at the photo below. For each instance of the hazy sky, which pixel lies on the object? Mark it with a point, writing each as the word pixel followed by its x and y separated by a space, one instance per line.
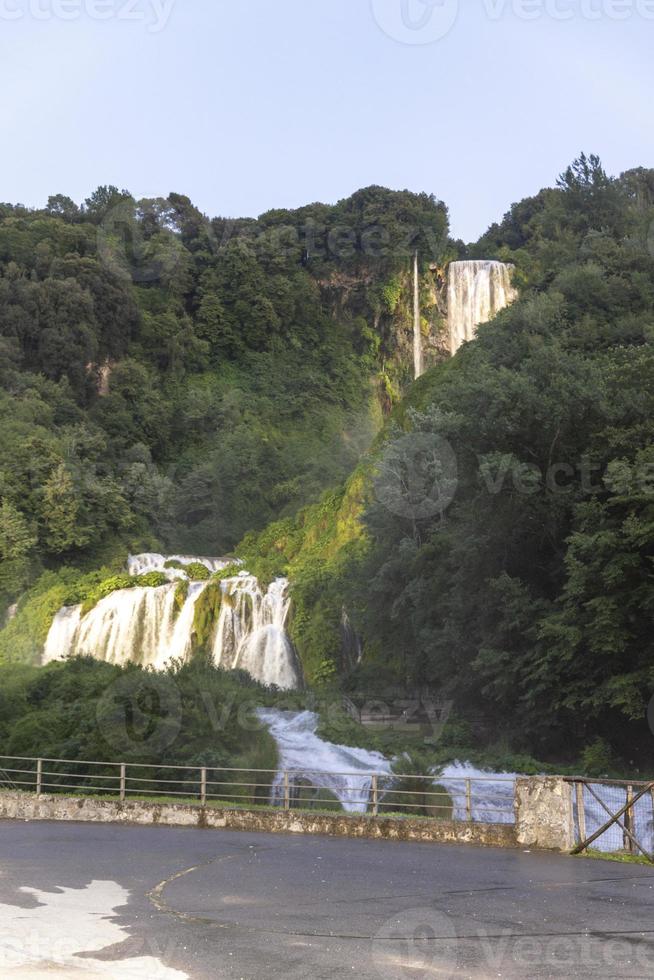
pixel 246 105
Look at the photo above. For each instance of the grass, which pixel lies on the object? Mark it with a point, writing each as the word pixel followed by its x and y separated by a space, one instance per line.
pixel 622 857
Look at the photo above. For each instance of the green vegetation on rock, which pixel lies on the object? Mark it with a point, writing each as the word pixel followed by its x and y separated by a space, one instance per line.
pixel 489 533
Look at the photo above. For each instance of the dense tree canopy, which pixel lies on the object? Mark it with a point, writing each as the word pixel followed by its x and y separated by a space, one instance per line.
pixel 173 381
pixel 509 529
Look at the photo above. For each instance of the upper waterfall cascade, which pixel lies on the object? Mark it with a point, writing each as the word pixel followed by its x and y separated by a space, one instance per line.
pixel 146 626
pixel 477 291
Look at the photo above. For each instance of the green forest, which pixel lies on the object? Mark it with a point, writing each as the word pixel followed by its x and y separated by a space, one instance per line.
pixel 245 387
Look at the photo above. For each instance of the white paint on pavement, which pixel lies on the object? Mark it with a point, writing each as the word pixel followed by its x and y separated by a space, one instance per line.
pixel 57 938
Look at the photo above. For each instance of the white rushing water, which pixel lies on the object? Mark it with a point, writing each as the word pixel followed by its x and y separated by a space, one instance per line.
pixel 145 626
pixel 142 564
pixel 131 625
pixel 251 633
pixel 418 359
pixel 477 291
pixel 347 772
pixel 492 793
pixel 344 771
pixel 615 797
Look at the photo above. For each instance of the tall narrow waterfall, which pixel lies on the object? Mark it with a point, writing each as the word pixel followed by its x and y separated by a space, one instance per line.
pixel 417 324
pixel 477 290
pixel 146 625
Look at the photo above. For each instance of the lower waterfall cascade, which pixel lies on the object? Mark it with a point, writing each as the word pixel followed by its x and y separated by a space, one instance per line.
pixel 346 772
pixel 145 626
pixel 477 290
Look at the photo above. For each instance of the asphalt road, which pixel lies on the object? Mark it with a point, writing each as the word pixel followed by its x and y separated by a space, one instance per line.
pixel 188 903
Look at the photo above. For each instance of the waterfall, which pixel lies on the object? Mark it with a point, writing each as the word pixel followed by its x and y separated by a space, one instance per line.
pixel 251 633
pixel 146 626
pixel 477 290
pixel 345 772
pixel 137 625
pixel 417 324
pixel 142 564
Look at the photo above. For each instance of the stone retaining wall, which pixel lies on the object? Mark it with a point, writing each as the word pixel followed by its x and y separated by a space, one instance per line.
pixel 21 806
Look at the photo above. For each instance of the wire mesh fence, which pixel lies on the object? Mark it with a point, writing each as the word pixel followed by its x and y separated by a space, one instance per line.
pixel 614 816
pixel 377 795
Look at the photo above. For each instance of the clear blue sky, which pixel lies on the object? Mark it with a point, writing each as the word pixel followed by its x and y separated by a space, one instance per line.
pixel 246 105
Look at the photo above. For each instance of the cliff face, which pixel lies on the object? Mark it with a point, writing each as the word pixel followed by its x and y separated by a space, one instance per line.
pixel 380 310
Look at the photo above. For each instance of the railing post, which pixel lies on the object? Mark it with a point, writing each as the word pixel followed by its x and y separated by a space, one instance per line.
pixel 123 781
pixel 469 800
pixel 39 776
pixel 375 795
pixel 203 786
pixel 287 792
pixel 581 811
pixel 629 822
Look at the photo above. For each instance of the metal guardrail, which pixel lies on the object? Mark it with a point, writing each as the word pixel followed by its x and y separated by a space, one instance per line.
pixel 614 815
pixel 473 799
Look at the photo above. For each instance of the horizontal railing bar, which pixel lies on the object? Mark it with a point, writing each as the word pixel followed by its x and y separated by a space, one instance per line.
pixel 169 782
pixel 76 775
pixel 141 765
pixel 80 789
pixel 294 771
pixel 636 783
pixel 68 762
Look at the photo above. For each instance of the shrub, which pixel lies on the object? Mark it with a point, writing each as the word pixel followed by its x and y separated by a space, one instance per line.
pixel 197 572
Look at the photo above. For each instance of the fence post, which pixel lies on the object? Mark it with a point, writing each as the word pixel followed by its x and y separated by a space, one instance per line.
pixel 39 776
pixel 629 822
pixel 203 786
pixel 287 792
pixel 123 781
pixel 469 800
pixel 581 812
pixel 375 795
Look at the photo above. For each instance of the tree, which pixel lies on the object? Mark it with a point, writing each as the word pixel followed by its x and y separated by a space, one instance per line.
pixel 61 513
pixel 17 541
pixel 63 207
pixel 102 200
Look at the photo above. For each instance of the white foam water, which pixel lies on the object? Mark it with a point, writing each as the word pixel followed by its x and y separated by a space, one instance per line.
pixel 477 291
pixel 344 771
pixel 145 626
pixel 251 633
